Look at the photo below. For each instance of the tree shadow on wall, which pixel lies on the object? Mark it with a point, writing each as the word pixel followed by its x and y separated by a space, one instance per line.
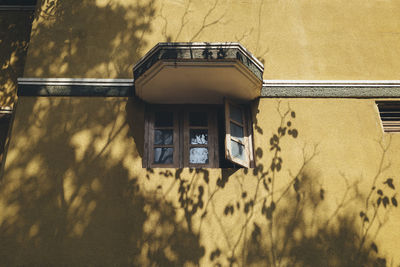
pixel 14 35
pixel 70 197
pixel 286 225
pixel 85 39
pixel 74 194
pixel 302 237
pixel 185 22
pixel 277 226
pixel 295 231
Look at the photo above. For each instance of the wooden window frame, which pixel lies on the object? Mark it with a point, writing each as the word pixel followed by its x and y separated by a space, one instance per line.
pixel 150 137
pixel 181 138
pixel 212 128
pixel 247 135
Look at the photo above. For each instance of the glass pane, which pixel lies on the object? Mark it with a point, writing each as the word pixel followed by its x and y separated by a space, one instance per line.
pixel 198 119
pixel 237 131
pixel 236 113
pixel 237 150
pixel 163 155
pixel 198 155
pixel 163 137
pixel 198 137
pixel 164 119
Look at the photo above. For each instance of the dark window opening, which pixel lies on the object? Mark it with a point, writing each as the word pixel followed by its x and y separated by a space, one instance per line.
pixel 389 112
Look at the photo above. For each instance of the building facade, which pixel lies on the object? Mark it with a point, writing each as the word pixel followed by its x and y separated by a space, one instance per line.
pixel 212 133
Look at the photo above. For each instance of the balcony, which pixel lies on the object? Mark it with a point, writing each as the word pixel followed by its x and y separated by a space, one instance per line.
pixel 198 73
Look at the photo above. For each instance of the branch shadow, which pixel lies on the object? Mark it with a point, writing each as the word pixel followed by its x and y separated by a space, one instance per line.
pixel 91 41
pixel 71 201
pixel 14 35
pixel 301 241
pixel 69 196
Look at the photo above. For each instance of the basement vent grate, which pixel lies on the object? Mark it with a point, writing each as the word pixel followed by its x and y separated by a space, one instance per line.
pixel 389 112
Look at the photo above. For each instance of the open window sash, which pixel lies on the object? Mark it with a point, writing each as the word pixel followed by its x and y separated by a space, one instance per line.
pixel 238 138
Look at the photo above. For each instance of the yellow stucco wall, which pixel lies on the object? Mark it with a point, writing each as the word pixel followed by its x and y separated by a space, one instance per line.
pixel 74 192
pixel 334 40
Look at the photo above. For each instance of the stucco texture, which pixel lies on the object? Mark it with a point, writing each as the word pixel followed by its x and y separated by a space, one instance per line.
pixel 74 192
pixel 333 40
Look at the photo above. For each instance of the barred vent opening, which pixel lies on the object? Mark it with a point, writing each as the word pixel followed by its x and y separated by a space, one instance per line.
pixel 389 112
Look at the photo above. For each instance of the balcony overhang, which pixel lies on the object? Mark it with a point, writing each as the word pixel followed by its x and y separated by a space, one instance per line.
pixel 198 73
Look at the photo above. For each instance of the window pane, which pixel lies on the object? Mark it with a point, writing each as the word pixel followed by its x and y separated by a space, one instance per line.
pixel 237 131
pixel 198 119
pixel 198 155
pixel 237 150
pixel 236 113
pixel 198 137
pixel 163 155
pixel 163 137
pixel 164 119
